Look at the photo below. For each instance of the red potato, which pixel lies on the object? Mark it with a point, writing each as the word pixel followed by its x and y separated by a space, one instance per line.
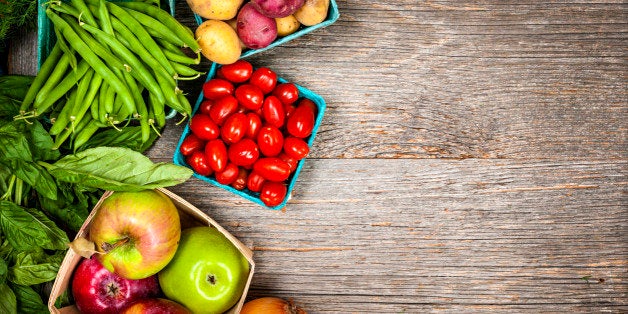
pixel 277 8
pixel 255 29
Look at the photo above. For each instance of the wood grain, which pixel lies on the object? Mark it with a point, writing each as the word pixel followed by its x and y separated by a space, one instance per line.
pixel 472 158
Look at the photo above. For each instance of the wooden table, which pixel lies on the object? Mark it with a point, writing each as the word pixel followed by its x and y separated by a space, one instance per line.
pixel 472 158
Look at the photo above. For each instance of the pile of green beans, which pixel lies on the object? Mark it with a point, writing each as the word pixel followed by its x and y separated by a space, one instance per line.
pixel 114 63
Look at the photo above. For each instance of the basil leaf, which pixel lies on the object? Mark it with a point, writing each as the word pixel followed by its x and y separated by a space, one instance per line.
pixel 13 142
pixel 3 271
pixel 9 108
pixel 35 267
pixel 41 143
pixel 34 175
pixel 8 302
pixel 72 215
pixel 15 86
pixel 27 228
pixel 129 137
pixel 117 169
pixel 28 300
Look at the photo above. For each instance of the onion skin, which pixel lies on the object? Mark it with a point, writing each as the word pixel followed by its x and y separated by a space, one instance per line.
pixel 271 305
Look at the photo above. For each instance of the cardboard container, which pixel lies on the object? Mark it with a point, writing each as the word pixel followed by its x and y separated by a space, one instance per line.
pixel 179 159
pixel 332 16
pixel 190 216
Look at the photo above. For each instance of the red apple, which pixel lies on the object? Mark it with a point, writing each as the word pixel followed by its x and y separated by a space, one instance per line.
pixel 138 232
pixel 97 290
pixel 156 306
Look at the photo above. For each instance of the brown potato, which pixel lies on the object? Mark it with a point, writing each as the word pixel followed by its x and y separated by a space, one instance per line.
pixel 287 25
pixel 215 9
pixel 312 12
pixel 219 42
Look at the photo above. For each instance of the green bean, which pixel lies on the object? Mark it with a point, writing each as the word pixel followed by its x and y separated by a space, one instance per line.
pixel 158 30
pixel 158 110
pixel 110 97
pixel 88 55
pixel 64 116
pixel 102 101
pixel 64 86
pixel 132 42
pixel 88 101
pixel 104 18
pixel 187 72
pixel 53 80
pixel 167 37
pixel 181 58
pixel 85 12
pixel 93 109
pixel 66 49
pixel 86 133
pixel 167 20
pixel 170 91
pixel 122 19
pixel 139 71
pixel 64 7
pixel 47 68
pixel 81 91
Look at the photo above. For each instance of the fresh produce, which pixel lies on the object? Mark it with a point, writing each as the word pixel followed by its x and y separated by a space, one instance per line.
pixel 138 232
pixel 46 194
pixel 97 290
pixel 218 41
pixel 271 305
pixel 277 8
pixel 255 29
pixel 287 25
pixel 156 306
pixel 257 124
pixel 215 10
pixel 208 274
pixel 14 15
pixel 113 65
pixel 312 12
pixel 257 23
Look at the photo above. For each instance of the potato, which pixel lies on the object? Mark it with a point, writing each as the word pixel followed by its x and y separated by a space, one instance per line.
pixel 234 24
pixel 312 12
pixel 215 9
pixel 219 42
pixel 277 8
pixel 255 29
pixel 287 25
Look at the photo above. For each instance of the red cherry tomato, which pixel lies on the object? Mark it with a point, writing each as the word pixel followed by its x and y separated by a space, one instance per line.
pixel 288 93
pixel 216 88
pixel 198 161
pixel 240 181
pixel 301 122
pixel 222 108
pixel 237 72
pixel 228 175
pixel 216 152
pixel 273 193
pixel 309 103
pixel 273 111
pixel 249 96
pixel 295 147
pixel 255 124
pixel 292 162
pixel 205 106
pixel 270 141
pixel 272 169
pixel 243 153
pixel 265 79
pixel 254 181
pixel 190 144
pixel 289 109
pixel 203 127
pixel 234 128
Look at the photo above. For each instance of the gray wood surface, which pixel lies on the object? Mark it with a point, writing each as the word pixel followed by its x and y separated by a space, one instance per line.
pixel 472 158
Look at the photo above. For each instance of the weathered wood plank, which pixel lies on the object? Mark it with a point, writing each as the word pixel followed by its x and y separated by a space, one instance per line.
pixel 384 236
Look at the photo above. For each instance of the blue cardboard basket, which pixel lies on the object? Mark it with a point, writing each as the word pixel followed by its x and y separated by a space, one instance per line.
pixel 46 37
pixel 179 159
pixel 332 16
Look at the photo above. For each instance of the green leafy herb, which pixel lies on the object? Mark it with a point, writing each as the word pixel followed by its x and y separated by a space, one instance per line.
pixel 27 228
pixel 8 302
pixel 117 169
pixel 16 14
pixel 28 300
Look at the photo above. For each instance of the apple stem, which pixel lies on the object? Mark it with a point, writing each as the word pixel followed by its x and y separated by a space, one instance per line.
pixel 108 247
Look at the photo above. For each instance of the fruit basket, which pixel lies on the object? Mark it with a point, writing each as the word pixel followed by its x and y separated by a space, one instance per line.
pixel 332 16
pixel 190 216
pixel 246 193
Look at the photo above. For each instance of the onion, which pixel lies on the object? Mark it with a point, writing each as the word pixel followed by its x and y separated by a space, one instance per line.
pixel 271 305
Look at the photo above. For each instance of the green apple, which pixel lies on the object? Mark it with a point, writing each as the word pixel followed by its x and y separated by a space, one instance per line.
pixel 207 274
pixel 137 233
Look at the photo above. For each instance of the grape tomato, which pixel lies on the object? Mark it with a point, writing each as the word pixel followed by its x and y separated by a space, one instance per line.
pixel 234 128
pixel 254 181
pixel 216 152
pixel 216 88
pixel 203 127
pixel 264 78
pixel 301 122
pixel 228 175
pixel 198 161
pixel 243 153
pixel 273 193
pixel 190 144
pixel 249 96
pixel 270 141
pixel 295 147
pixel 237 72
pixel 255 124
pixel 272 169
pixel 222 108
pixel 288 93
pixel 273 111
